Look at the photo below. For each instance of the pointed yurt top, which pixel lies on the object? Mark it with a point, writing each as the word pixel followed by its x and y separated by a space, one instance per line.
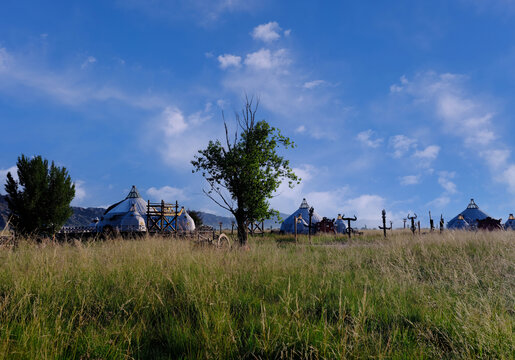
pixel 288 225
pixel 132 200
pixel 510 223
pixel 134 193
pixel 471 215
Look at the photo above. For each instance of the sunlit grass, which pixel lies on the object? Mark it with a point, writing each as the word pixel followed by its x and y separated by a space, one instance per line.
pixel 405 297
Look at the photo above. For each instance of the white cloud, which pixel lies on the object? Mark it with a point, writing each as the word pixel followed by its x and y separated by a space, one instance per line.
pixel 287 32
pixel 80 193
pixel 266 59
pixel 228 60
pixel 410 180
pixel 444 180
pixel 313 84
pixel 401 145
pixel 429 153
pixel 267 32
pixel 367 208
pixel 440 202
pixel 365 137
pixel 178 137
pixel 509 177
pixel 167 193
pixel 495 158
pixel 174 123
pixel 88 61
pixel 300 129
pixel 278 79
pixel 464 115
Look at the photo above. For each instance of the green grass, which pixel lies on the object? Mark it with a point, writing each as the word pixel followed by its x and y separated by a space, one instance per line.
pixel 449 296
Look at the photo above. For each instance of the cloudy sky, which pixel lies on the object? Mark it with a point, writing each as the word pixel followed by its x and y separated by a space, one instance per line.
pixel 404 105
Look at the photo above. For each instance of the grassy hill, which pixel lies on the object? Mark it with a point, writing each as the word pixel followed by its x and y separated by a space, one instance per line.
pixel 434 296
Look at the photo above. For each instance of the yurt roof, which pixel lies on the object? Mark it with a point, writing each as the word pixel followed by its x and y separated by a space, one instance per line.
pixel 133 199
pixel 461 223
pixel 471 214
pixel 303 210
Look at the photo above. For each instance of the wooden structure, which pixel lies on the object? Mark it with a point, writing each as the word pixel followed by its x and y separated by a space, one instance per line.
pixel 350 230
pixel 162 217
pixel 384 227
pixel 412 218
pixel 256 227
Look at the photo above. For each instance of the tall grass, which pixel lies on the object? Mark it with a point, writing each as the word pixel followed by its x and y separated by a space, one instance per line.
pixel 449 296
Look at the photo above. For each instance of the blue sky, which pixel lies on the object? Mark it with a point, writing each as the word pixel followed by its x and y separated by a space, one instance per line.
pixel 403 105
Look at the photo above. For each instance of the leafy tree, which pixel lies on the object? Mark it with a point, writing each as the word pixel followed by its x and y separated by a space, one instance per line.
pixel 244 172
pixel 196 216
pixel 39 201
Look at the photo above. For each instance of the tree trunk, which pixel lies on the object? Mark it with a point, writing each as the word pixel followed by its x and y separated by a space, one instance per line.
pixel 242 229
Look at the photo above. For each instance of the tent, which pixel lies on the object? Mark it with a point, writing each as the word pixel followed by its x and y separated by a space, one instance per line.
pixel 510 223
pixel 339 225
pixel 461 223
pixel 126 215
pixel 288 225
pixel 470 215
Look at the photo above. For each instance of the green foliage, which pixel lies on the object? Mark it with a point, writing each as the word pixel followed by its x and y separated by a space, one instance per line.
pixel 244 173
pixel 405 297
pixel 39 201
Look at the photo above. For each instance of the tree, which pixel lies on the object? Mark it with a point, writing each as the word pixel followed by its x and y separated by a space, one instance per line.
pixel 244 173
pixel 39 201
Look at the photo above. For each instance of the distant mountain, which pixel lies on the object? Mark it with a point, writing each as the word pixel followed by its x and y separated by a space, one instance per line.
pixel 83 216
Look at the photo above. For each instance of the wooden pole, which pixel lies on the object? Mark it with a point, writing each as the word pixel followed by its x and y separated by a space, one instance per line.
pixel 295 227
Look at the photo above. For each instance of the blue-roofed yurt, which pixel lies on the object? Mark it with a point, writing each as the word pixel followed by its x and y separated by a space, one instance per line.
pixel 510 223
pixel 470 215
pixel 461 223
pixel 339 225
pixel 288 225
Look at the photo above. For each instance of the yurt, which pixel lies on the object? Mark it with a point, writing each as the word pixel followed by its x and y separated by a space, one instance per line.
pixel 185 222
pixel 510 223
pixel 126 215
pixel 288 225
pixel 471 214
pixel 339 225
pixel 461 223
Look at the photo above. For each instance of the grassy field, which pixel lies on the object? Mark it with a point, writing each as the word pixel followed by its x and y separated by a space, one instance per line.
pixel 433 296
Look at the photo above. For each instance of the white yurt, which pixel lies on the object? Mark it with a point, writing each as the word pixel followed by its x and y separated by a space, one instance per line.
pixel 126 215
pixel 288 225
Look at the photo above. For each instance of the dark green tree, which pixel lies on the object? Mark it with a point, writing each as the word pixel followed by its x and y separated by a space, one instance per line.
pixel 244 172
pixel 39 201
